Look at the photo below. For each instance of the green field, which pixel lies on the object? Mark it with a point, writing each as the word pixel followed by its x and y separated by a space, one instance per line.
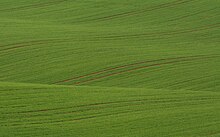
pixel 110 68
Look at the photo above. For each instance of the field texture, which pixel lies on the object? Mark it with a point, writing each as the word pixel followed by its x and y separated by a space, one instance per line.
pixel 110 68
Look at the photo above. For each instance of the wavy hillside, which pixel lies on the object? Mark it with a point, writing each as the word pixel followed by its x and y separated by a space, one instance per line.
pixel 109 68
pixel 42 110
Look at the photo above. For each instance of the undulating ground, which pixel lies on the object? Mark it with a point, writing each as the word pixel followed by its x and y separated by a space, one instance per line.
pixel 110 68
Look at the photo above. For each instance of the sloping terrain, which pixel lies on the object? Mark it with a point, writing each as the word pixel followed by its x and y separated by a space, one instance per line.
pixel 42 110
pixel 109 68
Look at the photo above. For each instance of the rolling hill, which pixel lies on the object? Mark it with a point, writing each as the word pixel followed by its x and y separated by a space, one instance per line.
pixel 98 68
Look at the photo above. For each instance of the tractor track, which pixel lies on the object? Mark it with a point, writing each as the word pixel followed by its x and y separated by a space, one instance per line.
pixel 138 102
pixel 137 68
pixel 38 5
pixel 113 37
pixel 125 66
pixel 136 12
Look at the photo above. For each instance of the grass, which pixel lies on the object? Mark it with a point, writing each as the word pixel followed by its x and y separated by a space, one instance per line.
pixel 109 68
pixel 45 110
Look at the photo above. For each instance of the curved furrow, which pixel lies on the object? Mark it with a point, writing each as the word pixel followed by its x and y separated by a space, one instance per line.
pixel 114 37
pixel 133 13
pixel 37 5
pixel 134 69
pixel 173 60
pixel 125 66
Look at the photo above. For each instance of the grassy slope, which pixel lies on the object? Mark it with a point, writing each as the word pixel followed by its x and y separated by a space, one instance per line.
pixel 41 110
pixel 169 45
pixel 54 42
